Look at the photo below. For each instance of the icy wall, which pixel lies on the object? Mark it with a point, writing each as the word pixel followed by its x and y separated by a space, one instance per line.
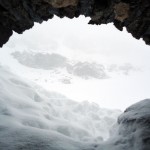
pixel 20 15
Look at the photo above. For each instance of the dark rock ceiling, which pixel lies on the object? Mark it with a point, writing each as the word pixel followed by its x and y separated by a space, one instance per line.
pixel 20 15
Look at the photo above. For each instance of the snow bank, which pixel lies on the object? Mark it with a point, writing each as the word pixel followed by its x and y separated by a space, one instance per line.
pixel 34 119
pixel 133 129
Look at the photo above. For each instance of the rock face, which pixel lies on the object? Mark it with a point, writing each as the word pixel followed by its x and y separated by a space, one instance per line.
pixel 62 3
pixel 20 15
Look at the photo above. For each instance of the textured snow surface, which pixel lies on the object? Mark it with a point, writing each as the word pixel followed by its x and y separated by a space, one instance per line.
pixel 34 119
pixel 133 129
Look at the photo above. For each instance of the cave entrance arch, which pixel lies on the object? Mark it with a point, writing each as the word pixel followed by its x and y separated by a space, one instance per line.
pixel 19 15
pixel 83 52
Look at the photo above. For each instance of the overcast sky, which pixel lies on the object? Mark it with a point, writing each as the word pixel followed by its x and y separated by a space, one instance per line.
pixel 76 40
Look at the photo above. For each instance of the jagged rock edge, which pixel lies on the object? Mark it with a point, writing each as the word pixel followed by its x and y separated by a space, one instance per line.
pixel 20 15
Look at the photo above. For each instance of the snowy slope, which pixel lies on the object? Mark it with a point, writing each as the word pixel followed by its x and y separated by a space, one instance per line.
pixel 32 118
pixel 39 66
pixel 132 131
pixel 77 79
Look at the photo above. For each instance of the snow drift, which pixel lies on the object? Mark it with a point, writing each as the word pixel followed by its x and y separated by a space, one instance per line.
pixel 34 119
pixel 133 129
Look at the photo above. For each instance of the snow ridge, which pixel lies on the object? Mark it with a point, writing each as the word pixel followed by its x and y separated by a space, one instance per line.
pixel 32 118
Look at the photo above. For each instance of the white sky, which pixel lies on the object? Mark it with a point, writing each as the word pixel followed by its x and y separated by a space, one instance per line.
pixel 103 44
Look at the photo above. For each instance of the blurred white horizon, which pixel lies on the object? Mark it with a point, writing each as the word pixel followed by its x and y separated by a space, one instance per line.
pixel 77 44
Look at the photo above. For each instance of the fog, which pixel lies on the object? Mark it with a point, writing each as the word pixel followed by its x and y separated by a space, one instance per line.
pixel 84 62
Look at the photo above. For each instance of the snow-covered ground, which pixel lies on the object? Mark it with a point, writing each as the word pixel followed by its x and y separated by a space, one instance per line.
pixel 133 129
pixel 78 79
pixel 81 67
pixel 32 118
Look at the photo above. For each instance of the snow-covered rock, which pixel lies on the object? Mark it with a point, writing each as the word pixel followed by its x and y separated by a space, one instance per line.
pixel 135 124
pixel 133 129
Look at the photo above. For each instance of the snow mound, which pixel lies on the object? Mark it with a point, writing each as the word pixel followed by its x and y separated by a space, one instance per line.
pixel 34 119
pixel 133 129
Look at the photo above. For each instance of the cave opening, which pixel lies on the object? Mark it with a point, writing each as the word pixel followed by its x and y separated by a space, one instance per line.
pixel 79 79
pixel 83 58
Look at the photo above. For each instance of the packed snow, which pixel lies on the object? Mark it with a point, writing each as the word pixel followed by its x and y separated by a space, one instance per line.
pixel 34 119
pixel 132 131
